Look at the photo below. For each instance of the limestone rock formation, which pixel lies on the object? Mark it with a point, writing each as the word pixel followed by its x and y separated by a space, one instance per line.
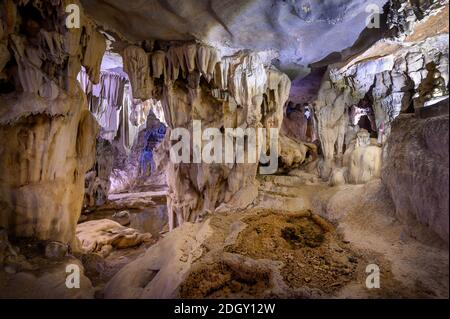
pixel 159 272
pixel 296 30
pixel 137 168
pixel 98 178
pixel 362 159
pixel 51 189
pixel 377 85
pixel 294 154
pixel 95 235
pixel 44 278
pixel 198 84
pixel 47 131
pixel 331 112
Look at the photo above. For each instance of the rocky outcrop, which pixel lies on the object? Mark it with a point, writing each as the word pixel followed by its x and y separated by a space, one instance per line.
pixel 101 236
pixel 159 272
pixel 44 159
pixel 362 159
pixel 332 119
pixel 299 121
pixel 294 154
pixel 292 31
pixel 403 15
pixel 47 130
pixel 128 125
pixel 415 171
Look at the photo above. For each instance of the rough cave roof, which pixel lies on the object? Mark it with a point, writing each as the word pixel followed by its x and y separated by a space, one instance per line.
pixel 301 31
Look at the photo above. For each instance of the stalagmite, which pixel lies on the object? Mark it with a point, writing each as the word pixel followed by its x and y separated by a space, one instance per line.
pixel 47 129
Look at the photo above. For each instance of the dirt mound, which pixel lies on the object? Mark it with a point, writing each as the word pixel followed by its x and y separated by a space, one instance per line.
pixel 312 253
pixel 303 233
pixel 225 279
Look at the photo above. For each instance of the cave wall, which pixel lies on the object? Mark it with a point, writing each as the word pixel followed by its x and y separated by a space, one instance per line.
pixel 47 132
pixel 395 75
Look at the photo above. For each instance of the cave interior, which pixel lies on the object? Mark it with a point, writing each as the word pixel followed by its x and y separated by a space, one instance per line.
pixel 224 149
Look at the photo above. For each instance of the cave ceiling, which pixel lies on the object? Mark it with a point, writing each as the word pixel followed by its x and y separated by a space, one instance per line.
pixel 296 33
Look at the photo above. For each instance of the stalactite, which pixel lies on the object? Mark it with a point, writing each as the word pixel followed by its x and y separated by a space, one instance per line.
pixel 234 91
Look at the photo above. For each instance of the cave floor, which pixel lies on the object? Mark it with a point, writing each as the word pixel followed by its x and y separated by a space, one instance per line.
pixel 301 255
pixel 321 247
pixel 296 240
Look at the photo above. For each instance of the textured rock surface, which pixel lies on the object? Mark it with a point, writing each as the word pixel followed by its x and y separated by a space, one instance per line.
pixel 50 189
pixel 297 29
pixel 389 78
pixel 224 256
pixel 47 132
pixel 48 283
pixel 294 154
pixel 234 232
pixel 97 179
pixel 138 169
pixel 95 235
pixel 159 272
pixel 35 277
pixel 362 160
pixel 415 170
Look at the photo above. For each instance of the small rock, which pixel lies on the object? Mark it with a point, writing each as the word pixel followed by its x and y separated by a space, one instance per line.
pixel 123 218
pixel 307 279
pixel 56 250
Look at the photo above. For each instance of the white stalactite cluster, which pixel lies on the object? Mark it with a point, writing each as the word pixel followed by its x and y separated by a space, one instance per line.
pixel 194 82
pixel 111 102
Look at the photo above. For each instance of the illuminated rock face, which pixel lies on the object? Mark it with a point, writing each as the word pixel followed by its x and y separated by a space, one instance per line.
pixel 47 132
pixel 43 162
pixel 194 82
